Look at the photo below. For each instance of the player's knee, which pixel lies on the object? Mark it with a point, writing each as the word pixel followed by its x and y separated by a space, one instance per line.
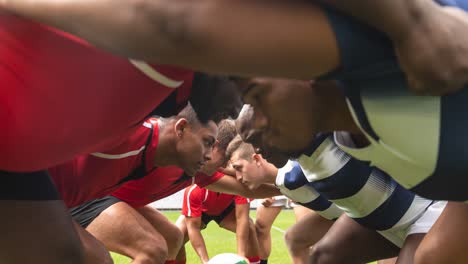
pixel 252 227
pixel 261 228
pixel 153 252
pixel 320 254
pixel 175 239
pixel 97 254
pixel 69 252
pixel 430 255
pixel 290 240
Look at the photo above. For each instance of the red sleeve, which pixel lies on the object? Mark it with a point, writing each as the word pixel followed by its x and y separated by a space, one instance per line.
pixel 193 198
pixel 203 180
pixel 242 200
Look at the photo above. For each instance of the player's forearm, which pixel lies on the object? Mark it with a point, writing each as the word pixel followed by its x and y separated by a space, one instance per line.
pixel 201 35
pixel 198 244
pixel 393 17
pixel 242 235
pixel 266 191
pixel 232 186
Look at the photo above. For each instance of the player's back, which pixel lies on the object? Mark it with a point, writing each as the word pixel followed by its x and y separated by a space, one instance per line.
pixel 61 97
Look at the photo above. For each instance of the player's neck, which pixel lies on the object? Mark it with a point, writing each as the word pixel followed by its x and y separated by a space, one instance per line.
pixel 166 153
pixel 271 172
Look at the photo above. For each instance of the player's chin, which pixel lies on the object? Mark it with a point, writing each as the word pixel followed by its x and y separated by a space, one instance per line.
pixel 191 171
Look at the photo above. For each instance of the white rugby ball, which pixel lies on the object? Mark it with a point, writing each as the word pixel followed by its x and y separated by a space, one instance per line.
pixel 228 258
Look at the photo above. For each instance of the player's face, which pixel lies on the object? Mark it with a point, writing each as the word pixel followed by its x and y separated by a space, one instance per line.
pixel 195 147
pixel 218 160
pixel 247 172
pixel 246 128
pixel 283 113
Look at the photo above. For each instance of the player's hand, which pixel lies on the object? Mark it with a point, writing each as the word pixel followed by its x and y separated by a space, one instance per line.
pixel 434 52
pixel 268 202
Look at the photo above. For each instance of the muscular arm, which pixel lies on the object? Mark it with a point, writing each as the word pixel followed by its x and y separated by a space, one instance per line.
pixel 196 238
pixel 230 185
pixel 242 228
pixel 429 40
pixel 393 17
pixel 277 38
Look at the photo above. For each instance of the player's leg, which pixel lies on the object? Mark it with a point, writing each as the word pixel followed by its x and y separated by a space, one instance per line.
pixel 299 210
pixel 35 227
pixel 304 234
pixel 229 222
pixel 95 252
pixel 418 230
pixel 264 220
pixel 125 231
pixel 447 240
pixel 408 249
pixel 349 242
pixel 173 236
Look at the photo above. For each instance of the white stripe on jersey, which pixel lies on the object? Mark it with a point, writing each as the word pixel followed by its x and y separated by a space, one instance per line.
pixel 154 75
pixel 373 194
pixel 118 156
pixel 378 188
pixel 304 194
pixel 417 208
pixel 189 212
pixel 331 213
pixel 326 160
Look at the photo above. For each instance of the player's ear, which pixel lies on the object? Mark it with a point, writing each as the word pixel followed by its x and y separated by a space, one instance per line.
pixel 257 159
pixel 180 127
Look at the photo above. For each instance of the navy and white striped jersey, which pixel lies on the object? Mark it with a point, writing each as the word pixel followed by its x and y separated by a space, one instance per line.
pixel 419 140
pixel 293 184
pixel 364 193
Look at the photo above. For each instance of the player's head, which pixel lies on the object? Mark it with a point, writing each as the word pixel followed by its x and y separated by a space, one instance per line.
pixel 194 140
pixel 248 164
pixel 226 133
pixel 215 97
pixel 283 111
pixel 246 128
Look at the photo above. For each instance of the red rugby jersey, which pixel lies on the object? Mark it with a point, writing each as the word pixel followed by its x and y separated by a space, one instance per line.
pixel 160 183
pixel 95 175
pixel 198 200
pixel 61 96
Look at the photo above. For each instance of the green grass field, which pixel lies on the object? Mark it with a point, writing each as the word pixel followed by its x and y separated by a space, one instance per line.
pixel 219 240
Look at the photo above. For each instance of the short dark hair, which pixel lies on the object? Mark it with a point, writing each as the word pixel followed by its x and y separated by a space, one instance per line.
pixel 226 133
pixel 214 97
pixel 189 114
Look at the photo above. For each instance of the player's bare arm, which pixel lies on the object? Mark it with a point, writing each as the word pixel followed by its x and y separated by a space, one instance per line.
pixel 230 185
pixel 242 228
pixel 196 238
pixel 251 35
